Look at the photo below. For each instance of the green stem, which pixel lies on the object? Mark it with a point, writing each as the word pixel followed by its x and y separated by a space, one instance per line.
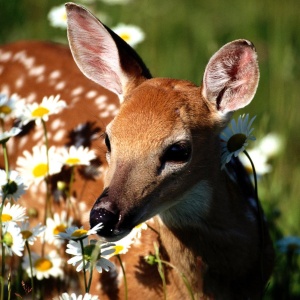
pixel 70 190
pixel 2 288
pixel 6 163
pixel 31 269
pixel 83 266
pixel 90 279
pixel 124 276
pixel 260 220
pixel 161 271
pixel 184 278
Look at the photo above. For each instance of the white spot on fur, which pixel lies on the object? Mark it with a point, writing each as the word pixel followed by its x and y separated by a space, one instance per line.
pixel 105 114
pixel 5 56
pixel 21 57
pixel 55 74
pixel 55 124
pixel 111 107
pixel 19 82
pixel 91 94
pixel 37 71
pixel 59 135
pixel 77 91
pixel 31 97
pixel 60 85
pixel 40 78
pixel 38 134
pixel 99 100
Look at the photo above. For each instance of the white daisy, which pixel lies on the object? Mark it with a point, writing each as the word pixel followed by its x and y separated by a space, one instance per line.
pixel 44 267
pixel 270 145
pixel 30 234
pixel 91 254
pixel 14 187
pixel 12 239
pixel 13 213
pixel 73 296
pixel 38 112
pixel 6 135
pixel 75 233
pixel 235 137
pixel 77 156
pixel 259 159
pixel 59 223
pixel 131 34
pixel 58 16
pixel 122 246
pixel 7 105
pixel 34 167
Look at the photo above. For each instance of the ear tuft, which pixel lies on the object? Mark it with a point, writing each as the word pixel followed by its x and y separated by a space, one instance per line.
pixel 231 76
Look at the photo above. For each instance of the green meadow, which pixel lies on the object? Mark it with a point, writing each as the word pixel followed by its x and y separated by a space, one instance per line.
pixel 180 37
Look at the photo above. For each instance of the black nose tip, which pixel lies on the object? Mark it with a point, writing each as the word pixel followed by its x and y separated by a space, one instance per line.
pixel 107 218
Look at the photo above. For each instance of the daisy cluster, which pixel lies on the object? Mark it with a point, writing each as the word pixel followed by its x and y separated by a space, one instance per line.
pixel 131 34
pixel 34 169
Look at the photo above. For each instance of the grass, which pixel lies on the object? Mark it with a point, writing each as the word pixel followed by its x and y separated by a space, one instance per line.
pixel 180 38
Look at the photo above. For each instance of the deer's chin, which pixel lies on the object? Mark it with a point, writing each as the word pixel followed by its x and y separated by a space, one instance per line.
pixel 113 235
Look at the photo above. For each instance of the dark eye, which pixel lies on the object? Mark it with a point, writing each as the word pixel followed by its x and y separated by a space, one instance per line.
pixel 178 153
pixel 107 143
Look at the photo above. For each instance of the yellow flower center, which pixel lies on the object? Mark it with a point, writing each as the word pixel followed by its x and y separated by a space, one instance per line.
pixel 40 170
pixel 26 234
pixel 118 249
pixel 72 161
pixel 43 264
pixel 125 36
pixel 79 233
pixel 6 218
pixel 236 142
pixel 59 228
pixel 5 109
pixel 39 112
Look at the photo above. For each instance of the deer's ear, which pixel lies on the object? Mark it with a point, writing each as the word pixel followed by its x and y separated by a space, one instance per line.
pixel 231 76
pixel 100 54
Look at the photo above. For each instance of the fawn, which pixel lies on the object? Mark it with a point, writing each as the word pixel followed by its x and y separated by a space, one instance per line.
pixel 164 162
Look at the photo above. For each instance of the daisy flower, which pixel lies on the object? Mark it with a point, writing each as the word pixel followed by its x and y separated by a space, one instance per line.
pixel 13 213
pixel 12 239
pixel 260 161
pixel 38 112
pixel 7 105
pixel 12 188
pixel 58 16
pixel 235 137
pixel 73 296
pixel 289 244
pixel 122 246
pixel 131 34
pixel 75 233
pixel 30 234
pixel 77 156
pixel 270 145
pixel 6 135
pixel 34 167
pixel 44 267
pixel 92 255
pixel 58 224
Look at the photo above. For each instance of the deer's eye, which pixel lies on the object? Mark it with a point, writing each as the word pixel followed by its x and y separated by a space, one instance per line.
pixel 107 143
pixel 177 153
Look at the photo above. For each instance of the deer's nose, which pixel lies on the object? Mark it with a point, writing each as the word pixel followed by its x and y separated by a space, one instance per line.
pixel 102 212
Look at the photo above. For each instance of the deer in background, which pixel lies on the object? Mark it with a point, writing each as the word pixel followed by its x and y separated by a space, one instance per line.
pixel 163 154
